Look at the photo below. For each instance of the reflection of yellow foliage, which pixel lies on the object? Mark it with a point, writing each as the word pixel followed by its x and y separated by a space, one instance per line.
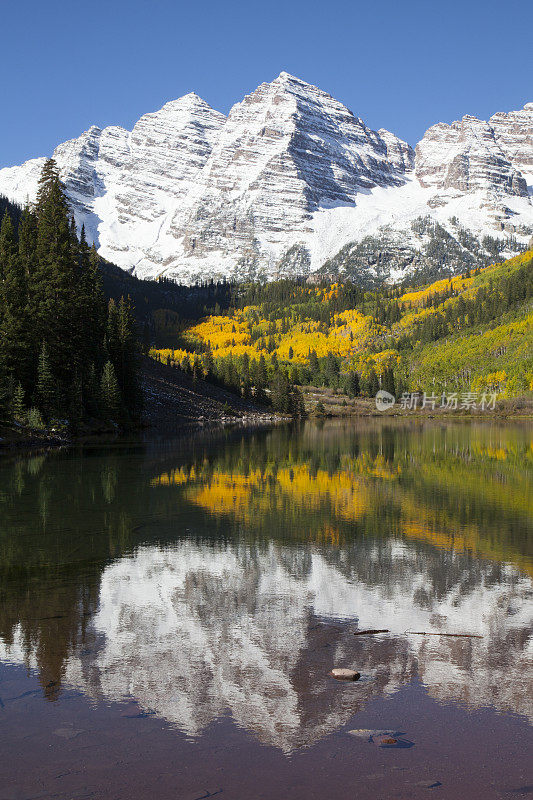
pixel 330 535
pixel 466 540
pixel 246 495
pixel 347 496
pixel 173 478
pixel 438 501
pixel 225 493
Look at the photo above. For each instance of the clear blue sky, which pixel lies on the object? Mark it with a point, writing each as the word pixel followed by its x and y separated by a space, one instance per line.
pixel 398 64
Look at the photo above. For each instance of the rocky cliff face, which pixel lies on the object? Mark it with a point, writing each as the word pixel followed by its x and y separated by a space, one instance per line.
pixel 467 157
pixel 289 178
pixel 285 151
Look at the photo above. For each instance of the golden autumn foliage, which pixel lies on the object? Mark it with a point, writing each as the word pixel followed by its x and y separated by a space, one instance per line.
pixel 433 336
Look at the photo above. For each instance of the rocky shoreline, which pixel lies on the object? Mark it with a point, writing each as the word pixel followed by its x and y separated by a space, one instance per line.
pixel 173 402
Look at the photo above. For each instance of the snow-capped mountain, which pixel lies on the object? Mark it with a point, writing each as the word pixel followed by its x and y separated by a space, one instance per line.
pixel 283 183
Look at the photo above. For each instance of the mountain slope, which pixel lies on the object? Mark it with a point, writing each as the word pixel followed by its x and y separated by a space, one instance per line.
pixel 473 332
pixel 291 182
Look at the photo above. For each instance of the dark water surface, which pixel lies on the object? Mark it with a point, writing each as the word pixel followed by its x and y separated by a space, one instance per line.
pixel 170 610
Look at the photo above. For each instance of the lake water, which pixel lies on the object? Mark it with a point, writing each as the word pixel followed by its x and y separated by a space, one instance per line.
pixel 170 611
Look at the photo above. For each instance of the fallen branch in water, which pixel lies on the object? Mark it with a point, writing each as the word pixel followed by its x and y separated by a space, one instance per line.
pixel 437 633
pixel 362 633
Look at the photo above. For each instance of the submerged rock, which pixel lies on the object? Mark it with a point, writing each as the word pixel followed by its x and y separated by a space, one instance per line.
pixel 368 733
pixel 345 674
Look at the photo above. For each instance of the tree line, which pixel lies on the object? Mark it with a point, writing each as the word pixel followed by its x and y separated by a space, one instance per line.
pixel 65 354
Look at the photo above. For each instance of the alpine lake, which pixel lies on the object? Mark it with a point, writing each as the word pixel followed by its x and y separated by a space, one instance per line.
pixel 171 608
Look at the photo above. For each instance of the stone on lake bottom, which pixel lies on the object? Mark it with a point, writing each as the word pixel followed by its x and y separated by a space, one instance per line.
pixel 345 674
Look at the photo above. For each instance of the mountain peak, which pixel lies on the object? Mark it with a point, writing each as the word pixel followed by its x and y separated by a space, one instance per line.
pixel 283 182
pixel 283 77
pixel 190 100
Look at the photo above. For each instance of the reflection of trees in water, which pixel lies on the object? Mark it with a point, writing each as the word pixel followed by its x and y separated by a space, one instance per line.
pixel 66 519
pixel 61 525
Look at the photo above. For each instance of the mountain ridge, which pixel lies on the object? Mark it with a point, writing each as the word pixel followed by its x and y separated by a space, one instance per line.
pixel 285 182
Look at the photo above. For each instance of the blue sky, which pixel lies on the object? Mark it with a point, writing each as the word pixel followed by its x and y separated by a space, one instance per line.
pixel 398 64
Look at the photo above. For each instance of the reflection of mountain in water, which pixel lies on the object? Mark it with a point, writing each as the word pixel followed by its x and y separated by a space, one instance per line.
pixel 192 632
pixel 220 577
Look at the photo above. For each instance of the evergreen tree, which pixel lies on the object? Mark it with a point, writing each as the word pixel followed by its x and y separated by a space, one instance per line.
pixel 388 381
pixel 112 341
pixel 34 419
pixel 14 322
pixel 128 363
pixel 110 391
pixel 54 282
pixel 53 335
pixel 46 387
pixel 5 393
pixel 76 401
pixel 372 384
pixel 262 373
pixel 91 309
pixel 92 392
pixel 27 241
pixel 351 384
pixel 18 407
pixel 314 366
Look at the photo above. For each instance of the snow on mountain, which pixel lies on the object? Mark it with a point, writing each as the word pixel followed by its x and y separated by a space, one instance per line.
pixel 282 183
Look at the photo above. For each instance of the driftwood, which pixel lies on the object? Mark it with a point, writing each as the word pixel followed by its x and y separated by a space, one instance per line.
pixel 436 633
pixel 363 633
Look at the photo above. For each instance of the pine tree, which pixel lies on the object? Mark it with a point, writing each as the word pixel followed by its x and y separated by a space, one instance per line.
pixel 314 366
pixel 372 384
pixel 110 391
pixel 76 405
pixel 91 303
pixel 34 419
pixel 54 283
pixel 297 403
pixel 14 321
pixel 127 363
pixel 388 381
pixel 27 236
pixel 262 373
pixel 46 387
pixel 351 384
pixel 92 392
pixel 18 407
pixel 53 335
pixel 5 389
pixel 112 341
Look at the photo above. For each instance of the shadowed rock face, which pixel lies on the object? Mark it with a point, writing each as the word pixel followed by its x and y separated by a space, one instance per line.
pixel 469 156
pixel 514 134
